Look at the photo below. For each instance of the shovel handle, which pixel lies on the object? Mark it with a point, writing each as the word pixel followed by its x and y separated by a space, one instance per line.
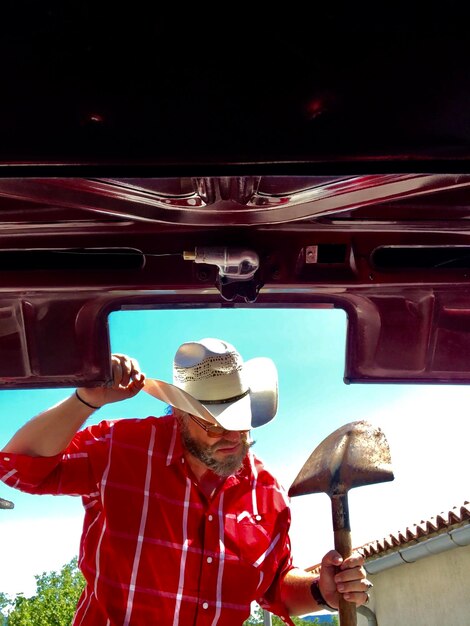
pixel 342 535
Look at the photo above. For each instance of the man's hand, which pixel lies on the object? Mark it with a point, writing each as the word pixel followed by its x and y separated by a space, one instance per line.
pixel 127 381
pixel 347 577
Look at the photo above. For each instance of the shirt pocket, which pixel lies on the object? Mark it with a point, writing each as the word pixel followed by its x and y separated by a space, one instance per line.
pixel 253 538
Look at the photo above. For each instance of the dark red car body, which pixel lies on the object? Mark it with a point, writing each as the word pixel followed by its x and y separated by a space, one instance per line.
pixel 330 144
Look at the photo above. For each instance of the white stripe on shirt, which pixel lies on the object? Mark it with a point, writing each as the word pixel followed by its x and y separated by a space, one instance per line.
pixel 253 485
pixel 75 455
pixel 220 571
pixel 184 552
pixel 265 554
pixel 6 476
pixel 103 530
pixel 172 444
pixel 80 604
pixel 140 538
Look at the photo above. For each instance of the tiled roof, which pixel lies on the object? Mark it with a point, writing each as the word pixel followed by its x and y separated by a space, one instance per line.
pixel 458 516
pixel 443 522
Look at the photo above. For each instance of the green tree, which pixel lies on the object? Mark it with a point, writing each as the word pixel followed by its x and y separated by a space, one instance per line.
pixel 256 619
pixel 5 601
pixel 277 621
pixel 56 598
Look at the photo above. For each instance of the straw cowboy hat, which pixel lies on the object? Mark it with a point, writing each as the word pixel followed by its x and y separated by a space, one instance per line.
pixel 211 381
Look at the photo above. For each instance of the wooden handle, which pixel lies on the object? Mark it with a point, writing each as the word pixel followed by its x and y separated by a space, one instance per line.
pixel 342 534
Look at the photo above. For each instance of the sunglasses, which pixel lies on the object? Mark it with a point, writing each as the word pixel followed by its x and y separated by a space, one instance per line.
pixel 212 430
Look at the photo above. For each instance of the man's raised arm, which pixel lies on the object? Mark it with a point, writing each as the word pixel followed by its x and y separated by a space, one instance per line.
pixel 50 432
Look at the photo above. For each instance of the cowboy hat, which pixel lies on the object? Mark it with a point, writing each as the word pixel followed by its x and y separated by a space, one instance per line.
pixel 211 381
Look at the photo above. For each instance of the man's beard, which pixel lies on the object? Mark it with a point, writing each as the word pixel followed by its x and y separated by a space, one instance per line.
pixel 205 453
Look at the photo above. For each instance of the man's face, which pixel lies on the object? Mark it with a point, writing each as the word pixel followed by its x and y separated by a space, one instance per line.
pixel 224 455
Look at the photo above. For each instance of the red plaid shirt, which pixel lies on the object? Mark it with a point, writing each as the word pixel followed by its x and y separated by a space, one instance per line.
pixel 154 550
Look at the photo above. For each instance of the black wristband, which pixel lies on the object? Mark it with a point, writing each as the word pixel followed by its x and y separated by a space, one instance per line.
pixel 318 596
pixel 86 403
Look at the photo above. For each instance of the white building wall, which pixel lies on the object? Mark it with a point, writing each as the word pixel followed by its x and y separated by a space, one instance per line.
pixel 433 591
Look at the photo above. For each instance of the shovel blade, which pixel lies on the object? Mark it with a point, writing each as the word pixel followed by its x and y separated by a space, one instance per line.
pixel 354 455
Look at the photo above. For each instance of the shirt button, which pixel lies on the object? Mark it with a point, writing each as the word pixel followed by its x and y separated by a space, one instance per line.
pixel 205 605
pixel 209 559
pixel 6 458
pixel 210 518
pixel 257 518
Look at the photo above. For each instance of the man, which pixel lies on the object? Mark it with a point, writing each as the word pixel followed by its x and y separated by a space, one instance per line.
pixel 183 524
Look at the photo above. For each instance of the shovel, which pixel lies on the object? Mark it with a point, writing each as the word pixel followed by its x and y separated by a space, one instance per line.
pixel 356 454
pixel 6 504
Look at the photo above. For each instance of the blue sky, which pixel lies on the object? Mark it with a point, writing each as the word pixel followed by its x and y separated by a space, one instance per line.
pixel 427 428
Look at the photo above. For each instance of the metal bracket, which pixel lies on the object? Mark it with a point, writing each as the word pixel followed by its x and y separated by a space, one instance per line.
pixel 237 269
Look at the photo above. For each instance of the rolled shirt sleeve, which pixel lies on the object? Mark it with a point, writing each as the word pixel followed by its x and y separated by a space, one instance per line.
pixel 72 472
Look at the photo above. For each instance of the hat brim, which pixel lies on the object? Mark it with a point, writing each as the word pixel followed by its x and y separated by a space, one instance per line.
pixel 258 407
